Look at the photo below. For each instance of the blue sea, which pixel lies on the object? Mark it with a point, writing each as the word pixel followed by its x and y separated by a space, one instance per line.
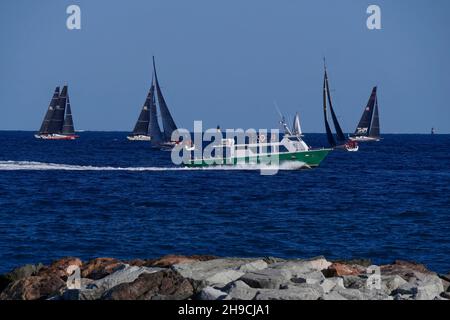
pixel 105 196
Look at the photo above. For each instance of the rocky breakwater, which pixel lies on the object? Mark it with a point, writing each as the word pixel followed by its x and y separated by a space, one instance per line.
pixel 211 278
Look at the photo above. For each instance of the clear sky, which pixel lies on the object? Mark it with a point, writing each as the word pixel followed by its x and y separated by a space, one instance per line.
pixel 225 62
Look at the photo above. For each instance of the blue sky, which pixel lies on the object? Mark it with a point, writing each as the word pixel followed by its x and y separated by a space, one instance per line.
pixel 225 62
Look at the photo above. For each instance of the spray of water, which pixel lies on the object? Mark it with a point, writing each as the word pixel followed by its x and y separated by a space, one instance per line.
pixel 34 166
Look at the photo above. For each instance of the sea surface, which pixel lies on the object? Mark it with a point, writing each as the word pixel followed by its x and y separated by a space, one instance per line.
pixel 105 196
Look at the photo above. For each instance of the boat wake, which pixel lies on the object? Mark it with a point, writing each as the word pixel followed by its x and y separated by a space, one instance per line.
pixel 36 166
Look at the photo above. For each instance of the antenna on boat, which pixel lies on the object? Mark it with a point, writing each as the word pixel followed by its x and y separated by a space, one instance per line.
pixel 278 109
pixel 283 120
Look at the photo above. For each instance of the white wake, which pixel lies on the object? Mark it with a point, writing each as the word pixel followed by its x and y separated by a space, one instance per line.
pixel 34 166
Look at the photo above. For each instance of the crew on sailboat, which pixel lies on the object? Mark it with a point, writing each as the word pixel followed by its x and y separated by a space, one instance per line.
pixel 58 122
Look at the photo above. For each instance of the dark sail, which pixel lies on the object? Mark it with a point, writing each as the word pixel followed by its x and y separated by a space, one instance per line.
pixel 375 126
pixel 57 121
pixel 363 128
pixel 339 133
pixel 141 127
pixel 330 137
pixel 68 121
pixel 153 128
pixel 49 114
pixel 169 125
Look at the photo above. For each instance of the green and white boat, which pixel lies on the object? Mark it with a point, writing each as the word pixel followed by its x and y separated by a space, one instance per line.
pixel 291 148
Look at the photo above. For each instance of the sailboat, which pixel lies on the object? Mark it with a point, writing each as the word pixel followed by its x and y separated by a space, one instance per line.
pixel 147 127
pixel 341 141
pixel 369 126
pixel 168 123
pixel 141 131
pixel 58 121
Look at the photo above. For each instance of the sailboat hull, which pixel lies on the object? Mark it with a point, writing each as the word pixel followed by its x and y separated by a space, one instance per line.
pixel 139 138
pixel 364 139
pixel 311 159
pixel 56 136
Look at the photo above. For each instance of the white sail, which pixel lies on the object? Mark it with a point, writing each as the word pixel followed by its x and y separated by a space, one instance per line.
pixel 296 128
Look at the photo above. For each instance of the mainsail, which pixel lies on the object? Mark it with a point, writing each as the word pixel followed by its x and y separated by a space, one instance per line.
pixel 141 127
pixel 330 137
pixel 369 118
pixel 153 128
pixel 340 135
pixel 169 125
pixel 57 120
pixel 296 128
pixel 374 130
pixel 68 127
pixel 49 114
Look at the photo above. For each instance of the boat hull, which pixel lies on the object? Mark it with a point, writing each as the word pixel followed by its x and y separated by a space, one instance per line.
pixel 139 138
pixel 364 139
pixel 311 158
pixel 56 136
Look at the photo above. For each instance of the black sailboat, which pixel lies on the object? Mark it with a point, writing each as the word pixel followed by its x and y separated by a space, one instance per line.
pixel 369 125
pixel 168 123
pixel 58 123
pixel 340 141
pixel 141 129
pixel 147 127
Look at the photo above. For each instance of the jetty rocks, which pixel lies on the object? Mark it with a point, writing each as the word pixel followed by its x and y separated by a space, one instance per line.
pixel 210 278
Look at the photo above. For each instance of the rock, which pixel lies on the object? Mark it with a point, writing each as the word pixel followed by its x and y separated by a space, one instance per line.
pixel 253 266
pixel 429 288
pixel 165 284
pixel 239 290
pixel 217 272
pixel 333 295
pixel 210 293
pixel 100 268
pixel 300 267
pixel 445 295
pixel 271 260
pixel 297 292
pixel 391 283
pixel 355 282
pixel 405 269
pixel 360 262
pixel 267 279
pixel 314 277
pixel 349 294
pixel 93 290
pixel 34 288
pixel 445 281
pixel 329 284
pixel 426 287
pixel 339 270
pixel 60 267
pixel 19 273
pixel 170 260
